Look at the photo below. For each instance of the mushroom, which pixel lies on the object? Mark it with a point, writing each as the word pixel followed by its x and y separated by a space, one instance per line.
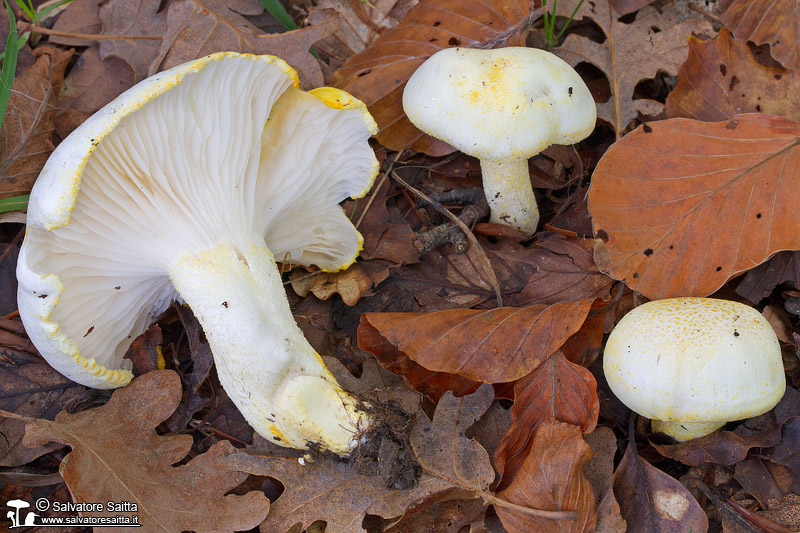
pixel 187 187
pixel 693 364
pixel 502 106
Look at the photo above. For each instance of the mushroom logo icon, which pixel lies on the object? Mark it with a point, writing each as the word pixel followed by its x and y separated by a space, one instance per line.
pixel 17 505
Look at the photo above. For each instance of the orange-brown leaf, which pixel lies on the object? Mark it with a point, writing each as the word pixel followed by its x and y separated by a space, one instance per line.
pixel 552 479
pixel 491 346
pixel 679 206
pixel 117 456
pixel 556 390
pixel 721 77
pixel 776 23
pixel 378 74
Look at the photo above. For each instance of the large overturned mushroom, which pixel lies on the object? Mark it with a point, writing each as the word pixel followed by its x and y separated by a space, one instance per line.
pixel 187 187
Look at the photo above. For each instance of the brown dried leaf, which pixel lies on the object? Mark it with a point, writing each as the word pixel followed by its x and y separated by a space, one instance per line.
pixel 91 83
pixel 556 269
pixel 555 390
pixel 600 468
pixel 144 351
pixel 655 42
pixel 722 448
pixel 494 346
pixel 378 75
pixel 352 284
pixel 766 480
pixel 334 491
pixel 652 501
pixel 116 456
pixel 551 478
pixel 30 388
pixel 196 28
pixel 785 511
pixel 776 23
pixel 629 6
pixel 759 282
pixel 443 516
pixel 137 18
pixel 386 234
pixel 666 197
pixel 429 383
pixel 721 78
pixel 25 137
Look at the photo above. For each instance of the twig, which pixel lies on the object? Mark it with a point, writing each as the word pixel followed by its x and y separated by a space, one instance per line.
pixel 25 26
pixel 705 13
pixel 552 515
pixel 430 240
pixel 478 248
pixel 378 187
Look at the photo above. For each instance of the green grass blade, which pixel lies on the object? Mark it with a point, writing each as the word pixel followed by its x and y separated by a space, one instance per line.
pixel 43 13
pixel 276 9
pixel 577 7
pixel 28 8
pixel 15 203
pixel 9 63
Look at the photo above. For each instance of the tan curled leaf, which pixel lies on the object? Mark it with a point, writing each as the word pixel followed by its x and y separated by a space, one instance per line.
pixel 556 390
pixel 776 22
pixel 654 42
pixel 489 346
pixel 679 206
pixel 352 284
pixel 117 456
pixel 378 75
pixel 722 77
pixel 196 28
pixel 133 19
pixel 551 478
pixel 27 131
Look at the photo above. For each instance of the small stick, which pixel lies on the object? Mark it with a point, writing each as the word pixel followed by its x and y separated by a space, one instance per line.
pixel 378 187
pixel 705 13
pixel 430 240
pixel 478 248
pixel 25 26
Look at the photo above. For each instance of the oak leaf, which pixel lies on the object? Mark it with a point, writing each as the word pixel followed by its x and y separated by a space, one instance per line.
pixel 26 134
pixel 679 206
pixel 759 282
pixel 655 42
pixel 79 16
pixel 625 7
pixel 551 478
pixel 556 390
pixel 378 75
pixel 651 501
pixel 336 492
pixel 117 456
pixel 489 346
pixel 776 23
pixel 722 77
pixel 134 20
pixel 352 284
pixel 196 28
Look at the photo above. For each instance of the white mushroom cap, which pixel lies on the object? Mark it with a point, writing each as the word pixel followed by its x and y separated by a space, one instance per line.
pixel 222 155
pixel 499 104
pixel 694 361
pixel 502 106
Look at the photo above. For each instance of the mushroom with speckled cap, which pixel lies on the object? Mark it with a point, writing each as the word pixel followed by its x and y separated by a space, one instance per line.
pixel 187 187
pixel 502 106
pixel 693 364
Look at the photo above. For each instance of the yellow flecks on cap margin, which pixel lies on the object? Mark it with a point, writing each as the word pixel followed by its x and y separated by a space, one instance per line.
pixel 347 264
pixel 277 433
pixel 339 99
pixel 132 101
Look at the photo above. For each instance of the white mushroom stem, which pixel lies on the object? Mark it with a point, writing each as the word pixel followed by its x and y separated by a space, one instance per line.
pixel 683 431
pixel 507 185
pixel 264 362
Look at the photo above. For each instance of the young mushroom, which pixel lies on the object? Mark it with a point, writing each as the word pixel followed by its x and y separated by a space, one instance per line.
pixel 187 187
pixel 502 106
pixel 693 364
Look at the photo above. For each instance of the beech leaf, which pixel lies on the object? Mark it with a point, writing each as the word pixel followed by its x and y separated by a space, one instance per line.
pixel 551 478
pixel 117 456
pixel 557 389
pixel 378 75
pixel 653 502
pixel 489 346
pixel 679 207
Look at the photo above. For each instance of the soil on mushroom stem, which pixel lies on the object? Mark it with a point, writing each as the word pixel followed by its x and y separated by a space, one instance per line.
pixel 385 449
